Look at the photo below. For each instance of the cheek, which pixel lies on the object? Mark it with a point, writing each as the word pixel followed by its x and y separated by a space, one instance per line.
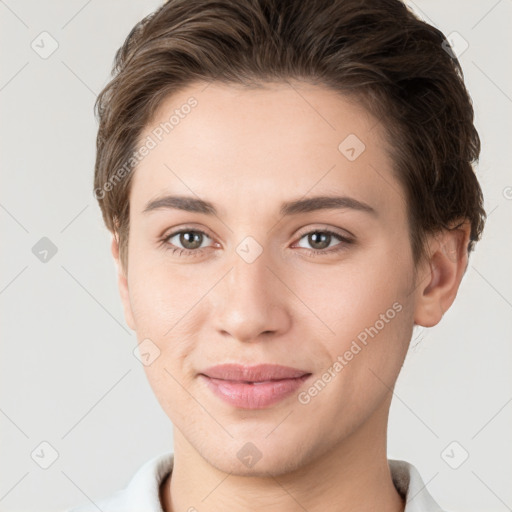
pixel 159 299
pixel 170 390
pixel 164 307
pixel 371 313
pixel 353 296
pixel 162 311
pixel 363 364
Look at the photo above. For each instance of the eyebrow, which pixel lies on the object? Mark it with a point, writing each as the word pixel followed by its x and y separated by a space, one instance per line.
pixel 192 204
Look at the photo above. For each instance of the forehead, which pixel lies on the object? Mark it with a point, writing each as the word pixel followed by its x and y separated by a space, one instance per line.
pixel 255 146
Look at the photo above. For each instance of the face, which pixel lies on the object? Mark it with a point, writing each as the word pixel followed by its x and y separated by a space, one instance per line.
pixel 327 291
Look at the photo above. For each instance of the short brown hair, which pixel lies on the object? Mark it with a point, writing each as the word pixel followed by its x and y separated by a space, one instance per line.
pixel 397 66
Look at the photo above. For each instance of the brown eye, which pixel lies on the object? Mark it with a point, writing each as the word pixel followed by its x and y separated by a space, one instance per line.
pixel 186 240
pixel 320 240
pixel 190 239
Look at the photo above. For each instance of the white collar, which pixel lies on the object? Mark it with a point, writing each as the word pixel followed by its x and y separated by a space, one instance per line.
pixel 142 493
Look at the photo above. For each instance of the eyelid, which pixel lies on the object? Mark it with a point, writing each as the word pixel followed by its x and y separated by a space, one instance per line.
pixel 171 233
pixel 179 229
pixel 343 233
pixel 344 240
pixel 302 231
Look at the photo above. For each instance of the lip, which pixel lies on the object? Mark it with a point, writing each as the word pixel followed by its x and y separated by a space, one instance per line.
pixel 253 387
pixel 257 373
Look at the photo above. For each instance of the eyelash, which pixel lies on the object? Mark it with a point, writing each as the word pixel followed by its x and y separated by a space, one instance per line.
pixel 314 252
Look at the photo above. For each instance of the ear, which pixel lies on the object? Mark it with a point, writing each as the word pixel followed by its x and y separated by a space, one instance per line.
pixel 441 274
pixel 122 283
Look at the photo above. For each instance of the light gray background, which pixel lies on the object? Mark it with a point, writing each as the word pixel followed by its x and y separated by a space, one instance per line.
pixel 68 373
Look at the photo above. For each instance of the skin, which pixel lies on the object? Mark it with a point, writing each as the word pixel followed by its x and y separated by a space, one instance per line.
pixel 247 151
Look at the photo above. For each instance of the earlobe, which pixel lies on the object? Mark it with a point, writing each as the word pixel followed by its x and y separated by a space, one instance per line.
pixel 441 275
pixel 122 283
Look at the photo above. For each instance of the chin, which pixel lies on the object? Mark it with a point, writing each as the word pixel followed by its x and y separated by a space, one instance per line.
pixel 254 460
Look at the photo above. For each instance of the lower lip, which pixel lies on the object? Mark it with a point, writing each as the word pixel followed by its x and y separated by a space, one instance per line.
pixel 253 396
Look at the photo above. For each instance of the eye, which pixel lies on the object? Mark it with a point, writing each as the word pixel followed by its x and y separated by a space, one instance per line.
pixel 190 239
pixel 321 239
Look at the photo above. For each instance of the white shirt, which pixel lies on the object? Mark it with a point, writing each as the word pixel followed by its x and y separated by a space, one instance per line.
pixel 142 492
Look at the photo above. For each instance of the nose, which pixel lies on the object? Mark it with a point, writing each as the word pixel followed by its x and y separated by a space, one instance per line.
pixel 250 302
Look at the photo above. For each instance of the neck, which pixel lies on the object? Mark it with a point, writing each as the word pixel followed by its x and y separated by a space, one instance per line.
pixel 352 476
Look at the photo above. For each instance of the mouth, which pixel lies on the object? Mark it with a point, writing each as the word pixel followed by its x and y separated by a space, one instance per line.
pixel 253 387
pixel 256 373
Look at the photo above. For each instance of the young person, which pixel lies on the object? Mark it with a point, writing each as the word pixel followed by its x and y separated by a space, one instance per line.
pixel 290 189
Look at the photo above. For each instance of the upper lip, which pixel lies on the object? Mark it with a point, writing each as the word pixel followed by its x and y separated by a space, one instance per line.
pixel 257 373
